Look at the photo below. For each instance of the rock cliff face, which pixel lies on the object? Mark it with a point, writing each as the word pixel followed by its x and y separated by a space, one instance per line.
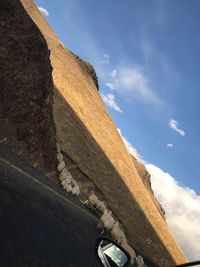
pixel 26 84
pixel 146 179
pixel 88 68
pixel 92 147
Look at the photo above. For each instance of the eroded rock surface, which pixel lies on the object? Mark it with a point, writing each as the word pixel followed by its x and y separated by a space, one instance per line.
pixel 26 87
pixel 146 179
pixel 88 68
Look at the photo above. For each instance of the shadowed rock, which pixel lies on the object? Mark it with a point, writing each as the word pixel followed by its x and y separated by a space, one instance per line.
pixel 26 87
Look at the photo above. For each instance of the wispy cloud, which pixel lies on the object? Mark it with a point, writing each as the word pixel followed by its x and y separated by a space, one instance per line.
pixel 110 85
pixel 44 11
pixel 173 124
pixel 182 206
pixel 170 146
pixel 109 99
pixel 154 56
pixel 106 59
pixel 131 81
pixel 113 73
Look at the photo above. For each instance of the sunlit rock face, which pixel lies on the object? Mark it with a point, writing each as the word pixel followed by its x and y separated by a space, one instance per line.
pixel 88 68
pixel 91 146
pixel 146 179
pixel 26 87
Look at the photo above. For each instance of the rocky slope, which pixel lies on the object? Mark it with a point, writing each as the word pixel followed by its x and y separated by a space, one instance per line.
pixel 92 147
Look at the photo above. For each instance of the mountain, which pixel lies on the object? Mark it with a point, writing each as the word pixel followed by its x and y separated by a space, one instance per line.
pixel 56 99
pixel 146 179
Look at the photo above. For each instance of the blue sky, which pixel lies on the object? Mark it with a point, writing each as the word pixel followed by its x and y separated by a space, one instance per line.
pixel 146 55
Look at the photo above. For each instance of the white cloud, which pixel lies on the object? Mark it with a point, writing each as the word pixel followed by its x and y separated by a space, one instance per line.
pixel 106 59
pixel 132 150
pixel 131 81
pixel 109 99
pixel 173 124
pixel 170 146
pixel 113 73
pixel 43 11
pixel 110 85
pixel 182 206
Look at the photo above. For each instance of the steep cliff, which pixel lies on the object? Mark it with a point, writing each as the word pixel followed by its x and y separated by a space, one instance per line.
pixel 146 179
pixel 93 149
pixel 26 84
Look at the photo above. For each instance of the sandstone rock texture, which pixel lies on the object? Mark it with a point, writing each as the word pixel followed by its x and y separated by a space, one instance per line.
pixel 92 147
pixel 88 68
pixel 26 84
pixel 146 179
